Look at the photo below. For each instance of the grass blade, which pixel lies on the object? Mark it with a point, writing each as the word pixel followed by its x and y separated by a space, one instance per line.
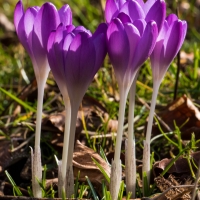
pixel 22 103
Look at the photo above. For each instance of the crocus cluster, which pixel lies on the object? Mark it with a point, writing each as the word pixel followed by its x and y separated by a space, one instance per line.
pixel 141 30
pixel 133 32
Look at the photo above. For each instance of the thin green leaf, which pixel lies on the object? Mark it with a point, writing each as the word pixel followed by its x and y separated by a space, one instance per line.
pixel 22 103
pixel 92 188
pixel 102 170
pixel 16 190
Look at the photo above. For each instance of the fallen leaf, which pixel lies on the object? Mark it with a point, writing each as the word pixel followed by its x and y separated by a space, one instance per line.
pixel 180 166
pixel 173 193
pixel 181 110
pixel 82 161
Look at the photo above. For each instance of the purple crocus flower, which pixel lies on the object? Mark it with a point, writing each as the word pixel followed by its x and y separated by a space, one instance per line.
pixel 129 43
pixel 167 46
pixel 135 42
pixel 136 9
pixel 33 28
pixel 75 55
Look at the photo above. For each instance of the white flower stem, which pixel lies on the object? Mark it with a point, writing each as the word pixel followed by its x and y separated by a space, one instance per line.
pixel 146 151
pixel 65 143
pixel 130 149
pixel 36 156
pixel 115 178
pixel 70 175
pixel 41 86
pixel 122 106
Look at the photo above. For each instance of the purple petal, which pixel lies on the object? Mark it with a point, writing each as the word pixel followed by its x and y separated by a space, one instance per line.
pixel 79 29
pixel 171 19
pixel 67 42
pixel 18 13
pixel 58 47
pixel 131 6
pixel 140 24
pixel 120 3
pixel 133 37
pixel 163 31
pixel 146 44
pixel 173 41
pixel 157 13
pixel 80 63
pixel 25 28
pixel 46 20
pixel 141 2
pixel 99 40
pixel 70 28
pixel 111 10
pixel 124 18
pixel 65 14
pixel 148 5
pixel 102 28
pixel 50 51
pixel 118 48
pixel 56 69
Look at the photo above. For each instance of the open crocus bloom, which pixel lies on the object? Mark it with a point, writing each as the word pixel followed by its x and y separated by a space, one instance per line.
pixel 167 46
pixel 33 28
pixel 136 9
pixel 75 55
pixel 135 42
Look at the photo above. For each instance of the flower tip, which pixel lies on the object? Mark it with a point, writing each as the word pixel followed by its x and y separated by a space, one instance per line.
pixel 153 23
pixel 49 5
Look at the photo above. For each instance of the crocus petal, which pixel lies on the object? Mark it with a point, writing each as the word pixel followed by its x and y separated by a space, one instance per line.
pixel 50 50
pixel 156 57
pixel 111 10
pixel 124 18
pixel 65 14
pixel 69 28
pixel 80 61
pixel 18 13
pixel 171 19
pixel 131 6
pixel 167 48
pixel 99 40
pixel 58 47
pixel 25 29
pixel 146 44
pixel 157 13
pixel 79 29
pixel 46 20
pixel 140 24
pixel 141 2
pixel 118 51
pixel 56 69
pixel 148 5
pixel 173 41
pixel 67 42
pixel 133 36
pixel 120 3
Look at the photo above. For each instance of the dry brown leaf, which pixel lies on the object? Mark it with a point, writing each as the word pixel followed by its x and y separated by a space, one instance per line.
pixel 174 193
pixel 7 158
pixel 82 161
pixel 180 166
pixel 181 110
